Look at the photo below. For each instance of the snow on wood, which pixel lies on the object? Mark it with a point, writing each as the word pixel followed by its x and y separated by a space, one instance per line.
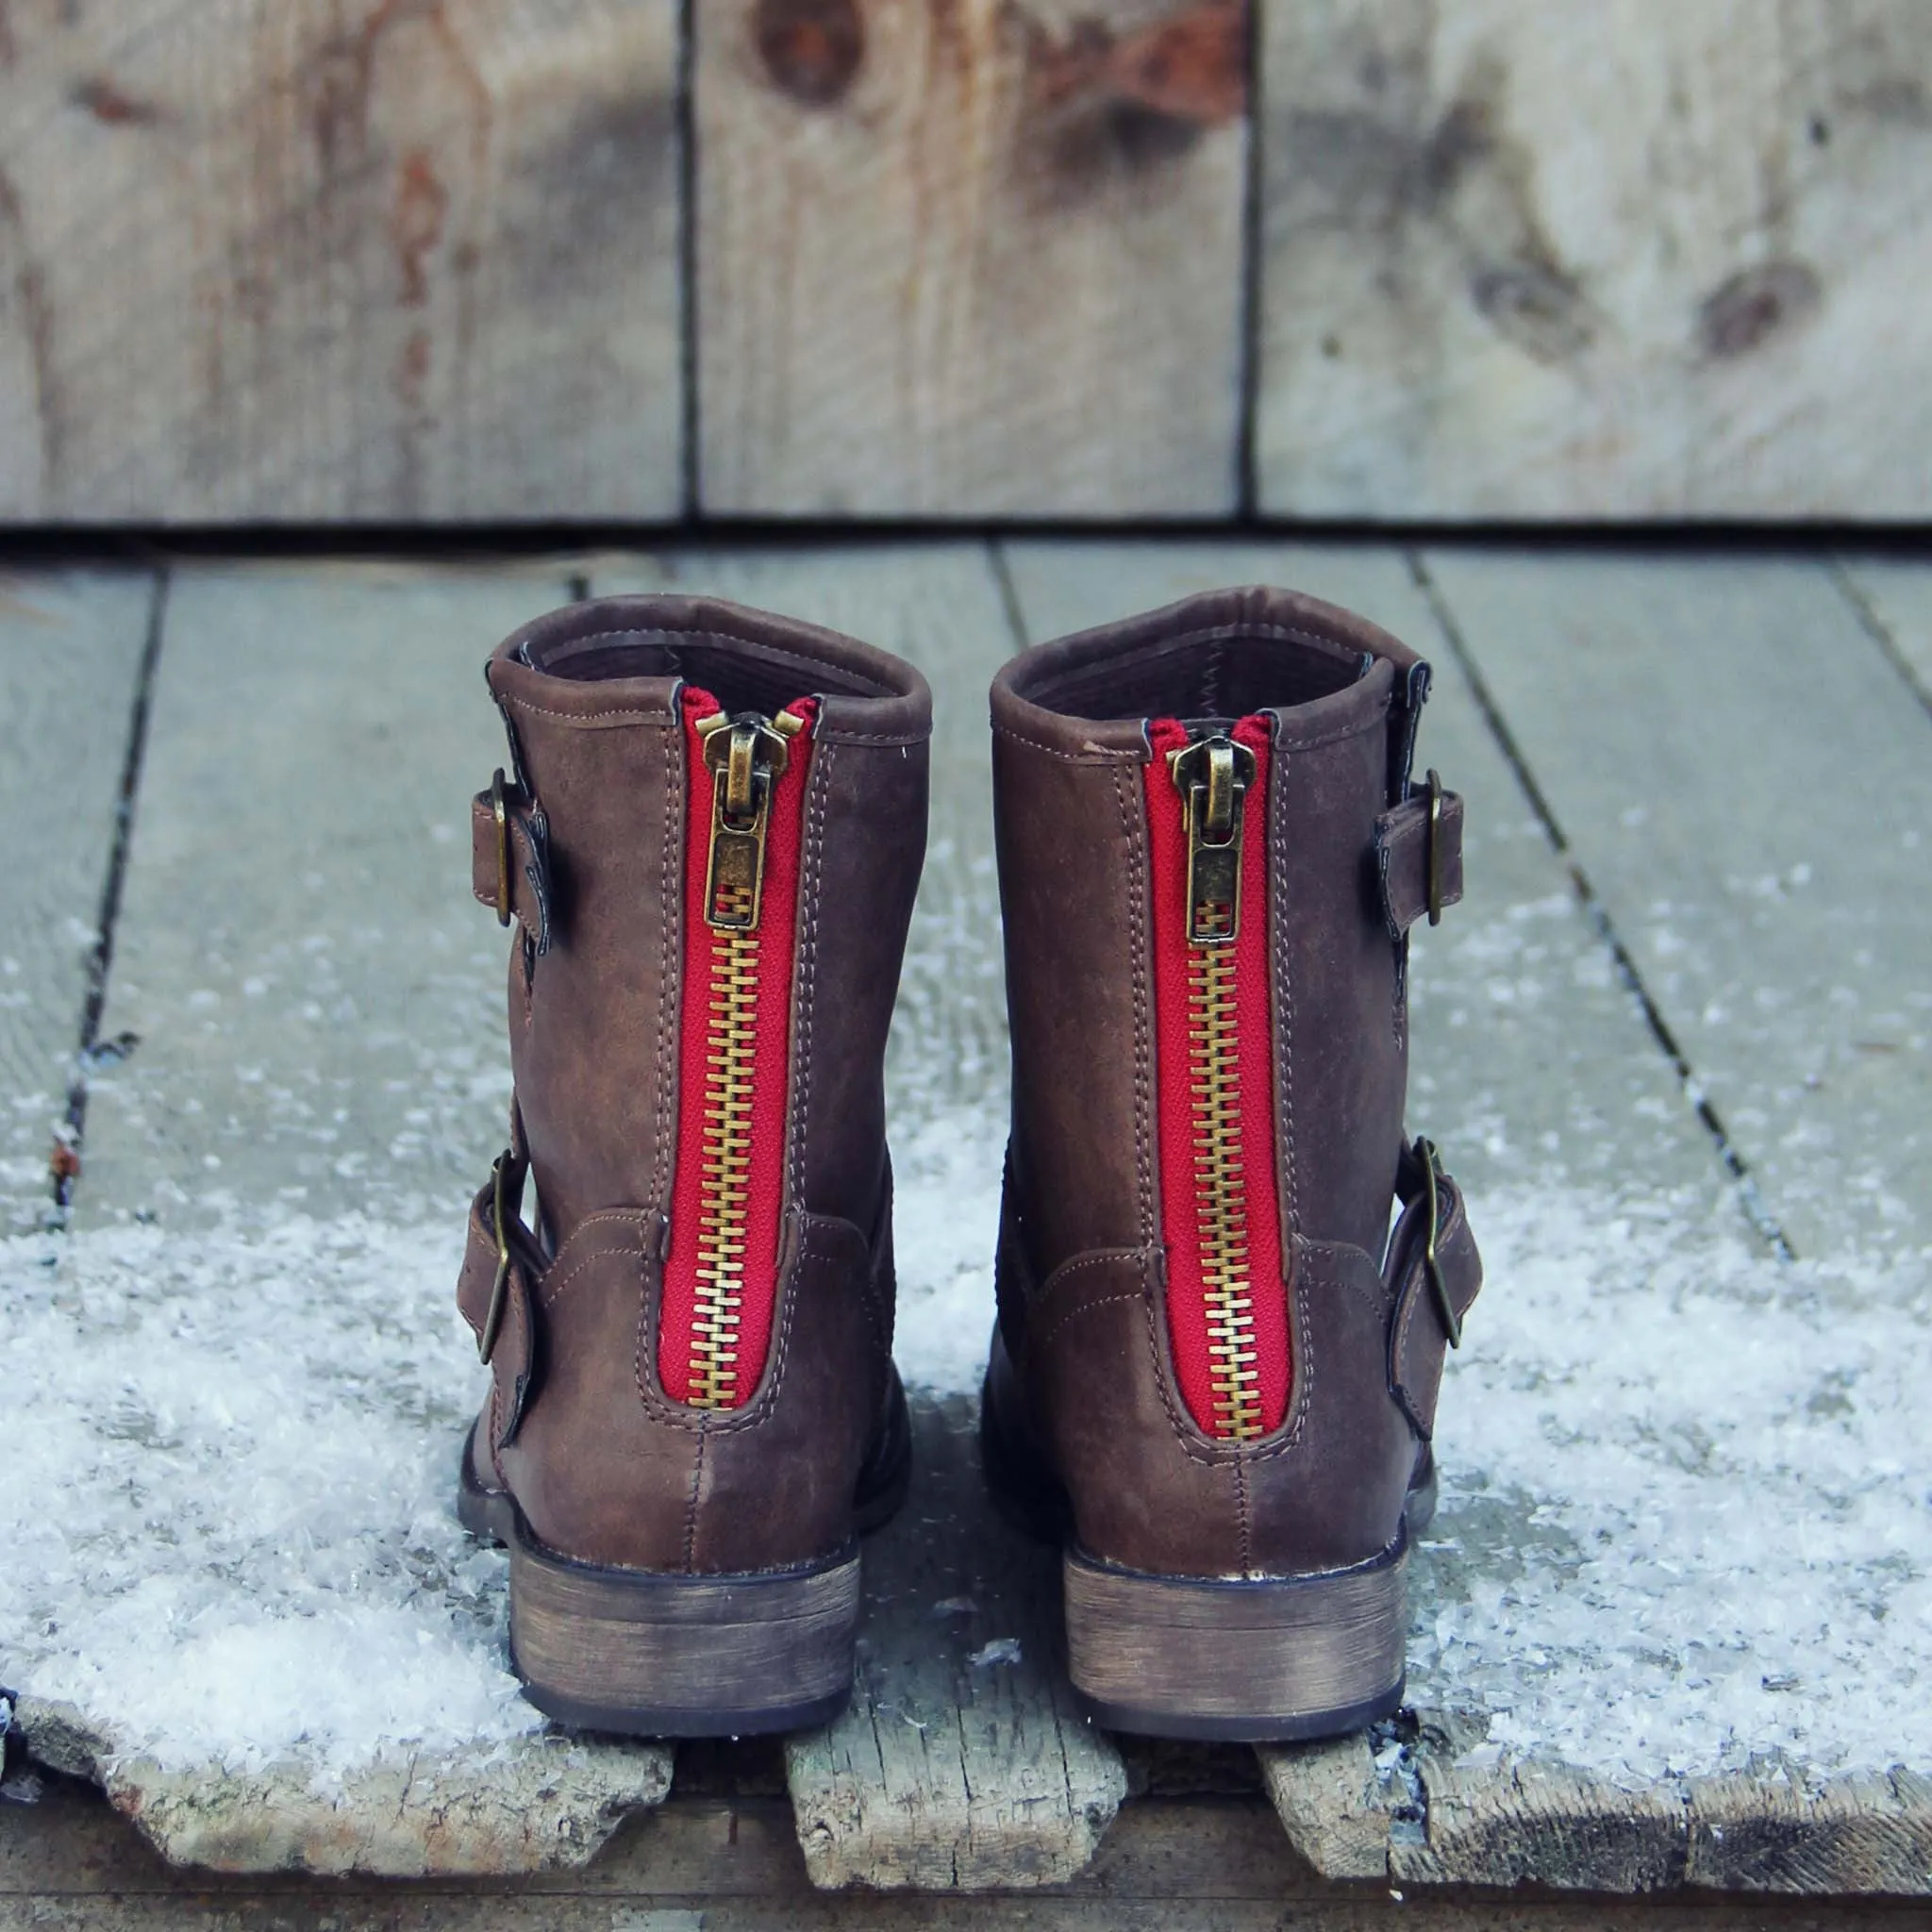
pixel 1671 1624
pixel 961 1764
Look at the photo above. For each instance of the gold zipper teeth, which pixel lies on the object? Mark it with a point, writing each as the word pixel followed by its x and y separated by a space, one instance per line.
pixel 1220 1198
pixel 729 1041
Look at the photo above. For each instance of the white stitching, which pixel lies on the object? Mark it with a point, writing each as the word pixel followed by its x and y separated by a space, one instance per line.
pixel 661 721
pixel 1099 756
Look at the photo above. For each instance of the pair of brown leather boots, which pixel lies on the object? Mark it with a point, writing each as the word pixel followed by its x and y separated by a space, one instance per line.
pixel 1214 1371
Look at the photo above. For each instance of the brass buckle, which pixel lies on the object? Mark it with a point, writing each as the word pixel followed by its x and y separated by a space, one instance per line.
pixel 1432 1266
pixel 499 1288
pixel 500 811
pixel 1435 783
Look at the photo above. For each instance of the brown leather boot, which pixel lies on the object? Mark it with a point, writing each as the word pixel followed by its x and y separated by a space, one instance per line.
pixel 1215 1369
pixel 709 848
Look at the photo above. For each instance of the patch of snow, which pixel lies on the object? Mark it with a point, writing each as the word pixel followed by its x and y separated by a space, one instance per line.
pixel 1692 1487
pixel 945 1220
pixel 227 1516
pixel 230 1459
pixel 1685 1525
pixel 1002 1650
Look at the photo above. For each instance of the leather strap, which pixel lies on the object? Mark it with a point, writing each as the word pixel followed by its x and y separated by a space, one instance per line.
pixel 1403 839
pixel 509 860
pixel 494 1292
pixel 1430 1297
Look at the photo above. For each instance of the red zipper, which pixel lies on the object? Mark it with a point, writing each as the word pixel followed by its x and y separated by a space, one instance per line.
pixel 1221 1223
pixel 743 835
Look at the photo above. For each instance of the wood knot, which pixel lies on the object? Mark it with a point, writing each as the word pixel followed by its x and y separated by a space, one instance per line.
pixel 1755 304
pixel 1191 67
pixel 1536 306
pixel 812 49
pixel 113 106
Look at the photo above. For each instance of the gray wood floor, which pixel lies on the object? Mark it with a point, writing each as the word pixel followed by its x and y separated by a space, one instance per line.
pixel 1703 777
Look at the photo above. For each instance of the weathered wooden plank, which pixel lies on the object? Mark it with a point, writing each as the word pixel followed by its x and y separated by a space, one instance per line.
pixel 1490 1823
pixel 736 1862
pixel 1202 1863
pixel 1556 1082
pixel 712 1847
pixel 382 261
pixel 438 1911
pixel 316 998
pixel 1895 594
pixel 549 1798
pixel 1452 1813
pixel 959 1765
pixel 1781 1834
pixel 1625 261
pixel 962 1765
pixel 71 644
pixel 320 1073
pixel 1747 782
pixel 979 258
pixel 1335 1808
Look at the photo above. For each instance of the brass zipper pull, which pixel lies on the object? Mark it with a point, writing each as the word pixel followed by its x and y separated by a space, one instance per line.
pixel 1212 775
pixel 743 755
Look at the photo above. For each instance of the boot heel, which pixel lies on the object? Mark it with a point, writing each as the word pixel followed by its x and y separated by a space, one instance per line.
pixel 1260 1660
pixel 675 1656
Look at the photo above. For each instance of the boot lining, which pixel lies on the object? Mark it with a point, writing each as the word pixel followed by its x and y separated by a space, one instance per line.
pixel 1212 675
pixel 741 674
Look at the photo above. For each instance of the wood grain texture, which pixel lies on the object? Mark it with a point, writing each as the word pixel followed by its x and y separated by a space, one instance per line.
pixel 319 1001
pixel 969 258
pixel 1448 1812
pixel 325 259
pixel 1499 1821
pixel 1737 684
pixel 1613 262
pixel 549 1798
pixel 734 1865
pixel 706 1848
pixel 318 1006
pixel 961 1764
pixel 1784 1836
pixel 71 648
pixel 1335 1809
pixel 1747 781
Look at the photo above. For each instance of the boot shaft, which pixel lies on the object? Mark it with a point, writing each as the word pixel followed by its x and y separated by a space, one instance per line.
pixel 618 714
pixel 709 845
pixel 1319 711
pixel 1211 850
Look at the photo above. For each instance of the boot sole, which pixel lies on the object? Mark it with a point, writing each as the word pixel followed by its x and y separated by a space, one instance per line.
pixel 1237 1661
pixel 1252 1660
pixel 661 1654
pixel 679 1656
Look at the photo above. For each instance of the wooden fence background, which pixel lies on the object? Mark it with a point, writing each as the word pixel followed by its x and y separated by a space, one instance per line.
pixel 449 260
